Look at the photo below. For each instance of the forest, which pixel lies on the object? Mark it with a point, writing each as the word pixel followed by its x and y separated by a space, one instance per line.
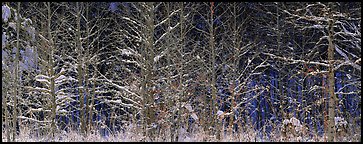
pixel 181 71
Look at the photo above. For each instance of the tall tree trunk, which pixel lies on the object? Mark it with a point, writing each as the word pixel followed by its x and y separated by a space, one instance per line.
pixel 144 96
pixel 147 86
pixel 51 73
pixel 280 83
pixel 150 73
pixel 79 69
pixel 234 70
pixel 16 82
pixel 86 74
pixel 214 104
pixel 5 85
pixel 94 83
pixel 331 79
pixel 181 72
pixel 170 97
pixel 92 102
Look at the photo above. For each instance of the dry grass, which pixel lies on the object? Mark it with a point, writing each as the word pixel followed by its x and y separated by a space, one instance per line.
pixel 132 134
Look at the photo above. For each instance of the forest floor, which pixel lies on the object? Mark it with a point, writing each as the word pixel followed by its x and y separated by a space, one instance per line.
pixel 133 135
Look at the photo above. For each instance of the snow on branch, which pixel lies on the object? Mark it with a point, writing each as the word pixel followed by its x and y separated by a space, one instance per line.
pixel 296 61
pixel 130 20
pixel 348 62
pixel 31 119
pixel 121 87
pixel 47 91
pixel 162 36
pixel 43 38
pixel 341 52
pixel 42 79
pixel 121 103
pixel 173 13
pixel 60 79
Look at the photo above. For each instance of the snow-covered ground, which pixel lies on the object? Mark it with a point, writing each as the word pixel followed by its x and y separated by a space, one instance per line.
pixel 197 136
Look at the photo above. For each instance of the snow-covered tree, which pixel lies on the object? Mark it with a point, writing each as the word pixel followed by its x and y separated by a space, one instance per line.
pixel 17 60
pixel 330 19
pixel 162 71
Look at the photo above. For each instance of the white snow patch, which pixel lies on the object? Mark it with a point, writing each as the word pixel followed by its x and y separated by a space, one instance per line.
pixel 339 121
pixel 29 20
pixel 6 13
pixel 3 41
pixel 36 110
pixel 42 78
pixel 189 107
pixel 157 58
pixel 194 116
pixel 286 121
pixel 295 121
pixel 126 52
pixel 31 32
pixel 12 25
pixel 219 113
pixel 349 76
pixel 60 78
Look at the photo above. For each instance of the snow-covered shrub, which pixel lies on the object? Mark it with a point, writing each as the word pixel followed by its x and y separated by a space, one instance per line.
pixel 341 126
pixel 292 128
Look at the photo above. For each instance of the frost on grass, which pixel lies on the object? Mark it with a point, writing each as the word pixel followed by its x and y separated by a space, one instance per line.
pixel 131 133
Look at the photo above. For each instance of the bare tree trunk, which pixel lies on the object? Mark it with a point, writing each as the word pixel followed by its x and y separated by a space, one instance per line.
pixel 79 68
pixel 234 70
pixel 213 104
pixel 5 105
pixel 331 79
pixel 51 73
pixel 148 114
pixel 181 67
pixel 92 102
pixel 16 82
pixel 86 74
pixel 94 83
pixel 170 97
pixel 5 85
pixel 144 97
pixel 150 73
